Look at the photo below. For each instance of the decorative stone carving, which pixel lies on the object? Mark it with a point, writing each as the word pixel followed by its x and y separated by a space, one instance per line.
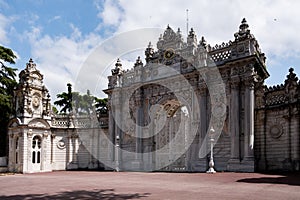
pixel 61 144
pixel 45 134
pixel 29 133
pixel 118 69
pixel 32 97
pixel 276 131
pixel 243 32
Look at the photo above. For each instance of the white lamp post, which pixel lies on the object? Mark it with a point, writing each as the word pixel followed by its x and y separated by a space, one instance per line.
pixel 117 153
pixel 211 169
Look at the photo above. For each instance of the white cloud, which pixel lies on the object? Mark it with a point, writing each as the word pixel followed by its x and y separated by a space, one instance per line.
pixel 218 20
pixel 274 23
pixel 111 13
pixel 57 17
pixel 60 58
pixel 3 34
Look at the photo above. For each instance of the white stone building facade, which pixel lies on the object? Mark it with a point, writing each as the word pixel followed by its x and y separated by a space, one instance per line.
pixel 259 129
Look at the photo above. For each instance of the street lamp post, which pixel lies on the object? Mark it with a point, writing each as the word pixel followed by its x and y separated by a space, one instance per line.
pixel 117 153
pixel 211 169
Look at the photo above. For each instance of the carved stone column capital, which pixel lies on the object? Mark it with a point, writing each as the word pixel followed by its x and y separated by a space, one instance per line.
pixel 45 134
pixel 29 133
pixel 249 82
pixel 15 136
pixel 74 135
pixel 235 82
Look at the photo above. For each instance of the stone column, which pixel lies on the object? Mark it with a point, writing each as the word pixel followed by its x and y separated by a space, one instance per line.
pixel 235 122
pixel 27 166
pixel 11 161
pixel 45 156
pixel 76 147
pixel 70 148
pixel 172 149
pixel 53 148
pixel 137 163
pixel 249 120
pixel 118 131
pixel 248 160
pixel 111 129
pixel 139 124
pixel 203 127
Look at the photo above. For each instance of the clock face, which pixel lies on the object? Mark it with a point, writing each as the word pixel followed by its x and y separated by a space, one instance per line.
pixel 35 102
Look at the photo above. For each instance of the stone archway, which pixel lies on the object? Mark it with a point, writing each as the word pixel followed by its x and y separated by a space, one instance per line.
pixel 176 125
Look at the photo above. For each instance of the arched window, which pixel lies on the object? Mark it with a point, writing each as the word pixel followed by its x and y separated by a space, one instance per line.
pixel 36 149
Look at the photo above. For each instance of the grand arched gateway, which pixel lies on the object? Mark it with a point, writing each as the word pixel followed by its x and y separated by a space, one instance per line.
pixel 180 79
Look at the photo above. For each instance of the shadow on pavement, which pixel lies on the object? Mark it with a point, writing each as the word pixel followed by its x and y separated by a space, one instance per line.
pixel 107 194
pixel 287 179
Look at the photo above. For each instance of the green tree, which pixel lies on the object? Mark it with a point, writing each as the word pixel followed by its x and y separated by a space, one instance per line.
pixel 101 106
pixel 7 84
pixel 65 100
pixel 85 104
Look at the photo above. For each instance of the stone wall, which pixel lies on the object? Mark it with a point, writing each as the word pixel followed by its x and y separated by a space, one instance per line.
pixel 277 126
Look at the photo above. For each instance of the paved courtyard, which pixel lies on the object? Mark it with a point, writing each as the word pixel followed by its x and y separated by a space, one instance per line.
pixel 135 185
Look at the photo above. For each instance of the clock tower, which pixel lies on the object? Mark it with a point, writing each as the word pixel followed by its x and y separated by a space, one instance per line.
pixel 32 99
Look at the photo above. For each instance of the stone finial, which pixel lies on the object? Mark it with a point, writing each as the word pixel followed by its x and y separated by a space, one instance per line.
pixel 244 26
pixel 243 32
pixel 118 67
pixel 31 66
pixel 179 39
pixel 192 38
pixel 138 62
pixel 192 33
pixel 169 34
pixel 291 77
pixel 150 45
pixel 203 42
pixel 149 52
pixel 118 64
pixel 160 37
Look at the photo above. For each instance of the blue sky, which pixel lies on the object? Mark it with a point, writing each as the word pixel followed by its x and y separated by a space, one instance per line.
pixel 60 34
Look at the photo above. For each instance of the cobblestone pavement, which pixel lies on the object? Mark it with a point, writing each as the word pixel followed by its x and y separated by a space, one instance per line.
pixel 135 185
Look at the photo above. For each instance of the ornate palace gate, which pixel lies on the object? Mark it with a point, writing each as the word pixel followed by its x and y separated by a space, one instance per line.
pixel 162 114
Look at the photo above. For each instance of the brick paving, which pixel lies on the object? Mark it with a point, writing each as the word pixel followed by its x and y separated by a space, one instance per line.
pixel 136 185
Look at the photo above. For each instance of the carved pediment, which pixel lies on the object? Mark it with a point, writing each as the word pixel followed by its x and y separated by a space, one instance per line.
pixel 38 123
pixel 14 123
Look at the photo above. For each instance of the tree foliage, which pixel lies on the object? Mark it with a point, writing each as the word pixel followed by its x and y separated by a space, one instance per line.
pixel 85 104
pixel 65 100
pixel 7 84
pixel 101 106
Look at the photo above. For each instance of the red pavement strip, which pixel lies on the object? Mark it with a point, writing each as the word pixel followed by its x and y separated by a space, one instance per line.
pixel 63 185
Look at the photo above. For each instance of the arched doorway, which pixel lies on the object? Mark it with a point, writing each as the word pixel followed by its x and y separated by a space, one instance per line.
pixel 36 150
pixel 171 138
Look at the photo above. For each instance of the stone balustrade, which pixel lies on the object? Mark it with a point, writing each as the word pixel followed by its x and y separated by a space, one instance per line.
pixel 66 121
